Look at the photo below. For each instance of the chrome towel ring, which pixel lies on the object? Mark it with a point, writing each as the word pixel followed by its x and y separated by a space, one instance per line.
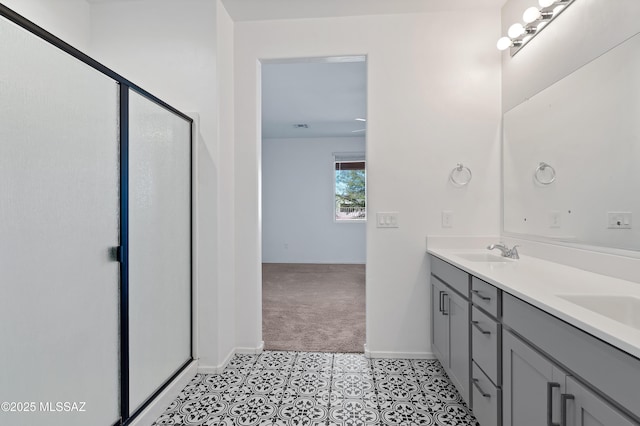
pixel 538 174
pixel 463 173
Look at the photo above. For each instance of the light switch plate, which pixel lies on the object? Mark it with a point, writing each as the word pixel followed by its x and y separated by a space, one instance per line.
pixel 387 219
pixel 447 219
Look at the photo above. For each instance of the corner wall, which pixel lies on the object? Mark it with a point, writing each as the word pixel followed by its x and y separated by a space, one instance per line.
pixel 433 101
pixel 226 213
pixel 298 204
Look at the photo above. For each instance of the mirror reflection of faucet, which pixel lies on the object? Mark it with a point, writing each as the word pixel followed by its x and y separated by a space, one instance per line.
pixel 511 253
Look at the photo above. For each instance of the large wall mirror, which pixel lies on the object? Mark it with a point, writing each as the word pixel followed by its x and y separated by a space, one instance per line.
pixel 571 156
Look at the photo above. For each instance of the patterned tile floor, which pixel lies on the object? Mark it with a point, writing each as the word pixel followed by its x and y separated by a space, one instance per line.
pixel 313 388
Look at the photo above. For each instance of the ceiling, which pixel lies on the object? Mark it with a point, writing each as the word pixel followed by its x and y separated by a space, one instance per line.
pixel 254 10
pixel 325 96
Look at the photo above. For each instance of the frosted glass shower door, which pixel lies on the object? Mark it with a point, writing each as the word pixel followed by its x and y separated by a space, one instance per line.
pixel 159 246
pixel 59 219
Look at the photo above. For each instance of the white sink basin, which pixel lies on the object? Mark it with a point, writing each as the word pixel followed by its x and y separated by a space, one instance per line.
pixel 624 309
pixel 484 257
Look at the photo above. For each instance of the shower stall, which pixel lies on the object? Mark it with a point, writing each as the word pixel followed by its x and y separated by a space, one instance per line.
pixel 95 236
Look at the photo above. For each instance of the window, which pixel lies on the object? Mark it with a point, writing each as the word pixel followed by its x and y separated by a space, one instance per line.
pixel 350 193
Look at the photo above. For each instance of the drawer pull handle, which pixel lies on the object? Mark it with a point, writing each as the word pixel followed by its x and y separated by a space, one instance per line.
pixel 444 304
pixel 550 387
pixel 440 305
pixel 483 393
pixel 564 398
pixel 480 295
pixel 476 324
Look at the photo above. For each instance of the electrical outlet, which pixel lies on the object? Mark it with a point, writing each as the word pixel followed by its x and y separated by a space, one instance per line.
pixel 447 219
pixel 554 219
pixel 619 220
pixel 387 220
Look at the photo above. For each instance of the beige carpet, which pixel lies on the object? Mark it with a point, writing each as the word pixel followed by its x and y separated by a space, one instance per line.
pixel 313 307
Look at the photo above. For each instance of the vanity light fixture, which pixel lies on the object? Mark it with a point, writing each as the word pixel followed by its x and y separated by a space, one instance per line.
pixel 516 30
pixel 535 19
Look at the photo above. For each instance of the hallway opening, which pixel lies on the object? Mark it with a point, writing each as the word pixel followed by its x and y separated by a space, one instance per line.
pixel 314 204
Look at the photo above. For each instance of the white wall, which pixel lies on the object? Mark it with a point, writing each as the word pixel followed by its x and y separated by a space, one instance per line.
pixel 298 204
pixel 433 101
pixel 68 20
pixel 169 48
pixel 226 213
pixel 580 34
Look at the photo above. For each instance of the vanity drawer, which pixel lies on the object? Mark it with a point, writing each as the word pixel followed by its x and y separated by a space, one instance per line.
pixel 485 344
pixel 450 275
pixel 486 399
pixel 485 296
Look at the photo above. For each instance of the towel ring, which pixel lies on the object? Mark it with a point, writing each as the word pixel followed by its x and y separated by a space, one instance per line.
pixel 542 167
pixel 460 169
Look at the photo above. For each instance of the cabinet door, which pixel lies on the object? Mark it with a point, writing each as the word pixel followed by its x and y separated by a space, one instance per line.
pixel 584 408
pixel 458 309
pixel 440 322
pixel 531 385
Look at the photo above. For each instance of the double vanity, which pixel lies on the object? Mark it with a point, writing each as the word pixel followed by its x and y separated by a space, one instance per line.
pixel 529 342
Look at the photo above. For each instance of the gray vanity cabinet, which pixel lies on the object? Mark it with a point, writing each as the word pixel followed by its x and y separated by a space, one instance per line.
pixel 522 366
pixel 439 322
pixel 581 407
pixel 537 392
pixel 486 337
pixel 450 322
pixel 459 343
pixel 450 333
pixel 531 385
pixel 486 398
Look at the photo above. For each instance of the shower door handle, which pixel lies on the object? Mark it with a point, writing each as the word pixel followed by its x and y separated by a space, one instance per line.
pixel 115 254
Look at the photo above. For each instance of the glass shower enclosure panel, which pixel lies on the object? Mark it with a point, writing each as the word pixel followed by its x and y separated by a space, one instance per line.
pixel 159 246
pixel 59 223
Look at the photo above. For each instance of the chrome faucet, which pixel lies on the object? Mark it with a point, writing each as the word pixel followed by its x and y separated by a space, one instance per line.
pixel 506 252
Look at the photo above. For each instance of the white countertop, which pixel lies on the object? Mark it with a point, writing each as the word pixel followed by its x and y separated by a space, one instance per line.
pixel 538 282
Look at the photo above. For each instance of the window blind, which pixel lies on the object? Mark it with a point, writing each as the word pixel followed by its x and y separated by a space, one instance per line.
pixel 349 160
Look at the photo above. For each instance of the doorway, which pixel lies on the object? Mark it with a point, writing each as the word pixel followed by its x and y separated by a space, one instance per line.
pixel 314 204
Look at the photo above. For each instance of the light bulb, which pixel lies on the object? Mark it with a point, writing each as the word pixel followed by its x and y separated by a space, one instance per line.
pixel 504 43
pixel 531 14
pixel 557 9
pixel 526 39
pixel 545 3
pixel 516 30
pixel 541 25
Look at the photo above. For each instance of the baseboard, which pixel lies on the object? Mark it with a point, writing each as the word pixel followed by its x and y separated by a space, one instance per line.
pixel 216 369
pixel 251 351
pixel 397 355
pixel 162 401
